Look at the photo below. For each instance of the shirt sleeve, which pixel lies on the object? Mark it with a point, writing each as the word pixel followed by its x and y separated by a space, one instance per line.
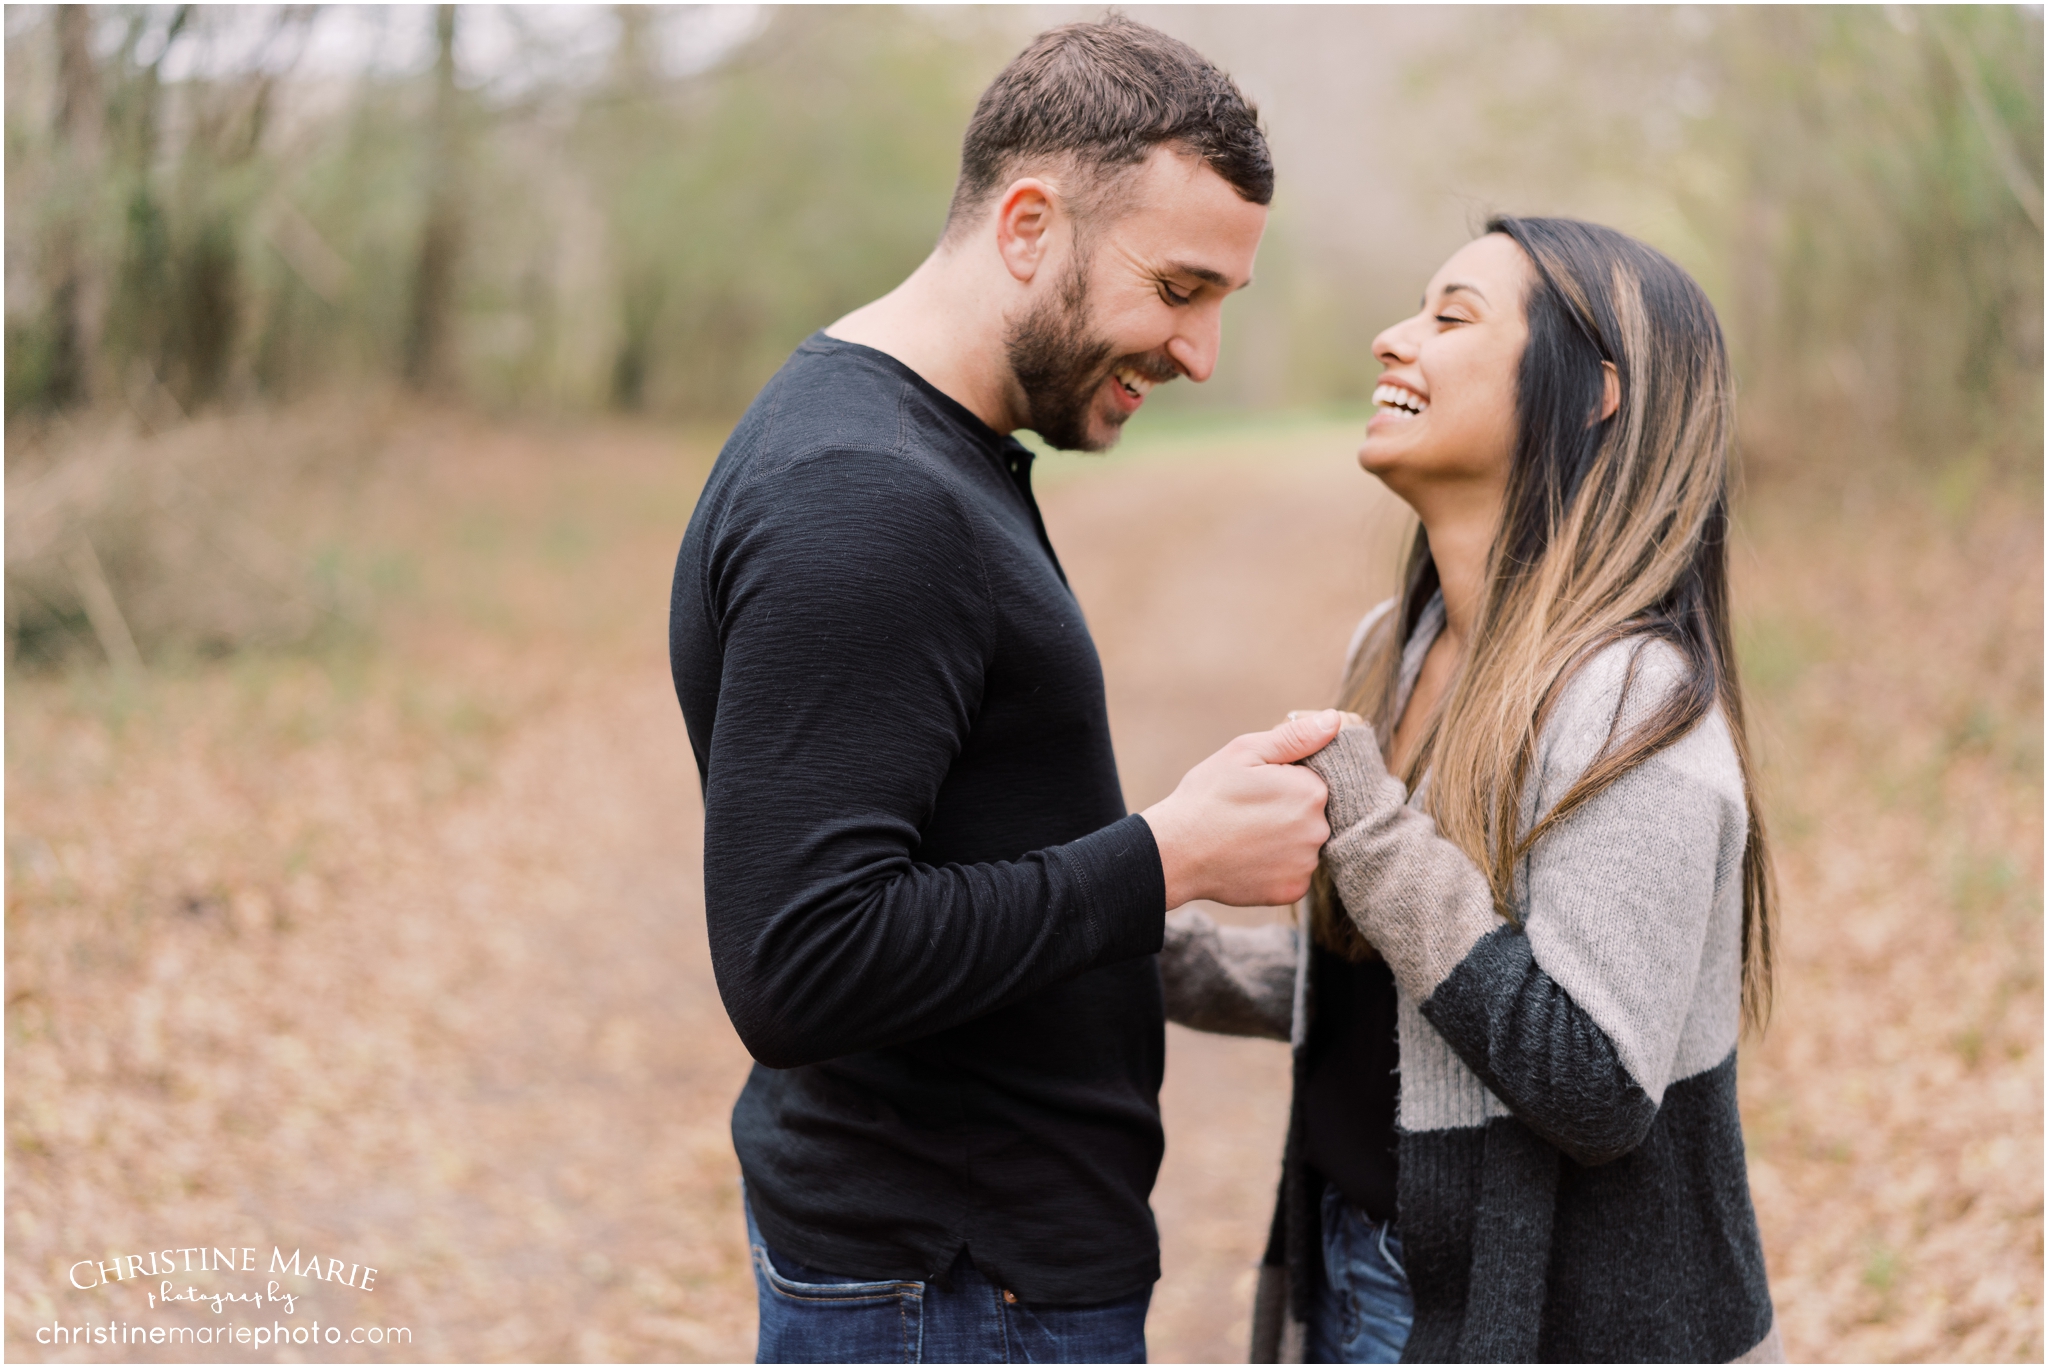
pixel 856 626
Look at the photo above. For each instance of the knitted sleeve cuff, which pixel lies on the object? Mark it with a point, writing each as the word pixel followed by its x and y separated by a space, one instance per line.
pixel 1418 898
pixel 1359 783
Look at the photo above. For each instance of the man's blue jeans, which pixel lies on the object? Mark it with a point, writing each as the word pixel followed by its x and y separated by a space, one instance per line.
pixel 1363 1308
pixel 813 1317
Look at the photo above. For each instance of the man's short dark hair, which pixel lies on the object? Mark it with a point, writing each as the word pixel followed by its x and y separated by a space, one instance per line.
pixel 1105 94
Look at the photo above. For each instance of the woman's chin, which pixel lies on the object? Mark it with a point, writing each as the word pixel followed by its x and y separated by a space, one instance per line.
pixel 1375 459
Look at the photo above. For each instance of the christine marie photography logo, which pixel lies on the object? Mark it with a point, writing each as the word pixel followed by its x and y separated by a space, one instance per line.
pixel 256 1308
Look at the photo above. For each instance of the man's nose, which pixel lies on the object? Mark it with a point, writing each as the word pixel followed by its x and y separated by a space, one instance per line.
pixel 1194 347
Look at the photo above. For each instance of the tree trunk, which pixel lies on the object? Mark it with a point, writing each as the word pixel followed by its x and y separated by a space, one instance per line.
pixel 75 302
pixel 428 342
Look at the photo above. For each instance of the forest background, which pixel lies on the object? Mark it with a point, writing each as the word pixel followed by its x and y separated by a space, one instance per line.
pixel 361 364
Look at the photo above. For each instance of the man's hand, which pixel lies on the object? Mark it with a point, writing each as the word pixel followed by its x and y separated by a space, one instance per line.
pixel 1246 825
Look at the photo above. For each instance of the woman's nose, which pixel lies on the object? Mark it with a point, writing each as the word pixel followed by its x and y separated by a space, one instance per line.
pixel 1394 347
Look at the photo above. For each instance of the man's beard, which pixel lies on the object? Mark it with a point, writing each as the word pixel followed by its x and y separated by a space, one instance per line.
pixel 1060 366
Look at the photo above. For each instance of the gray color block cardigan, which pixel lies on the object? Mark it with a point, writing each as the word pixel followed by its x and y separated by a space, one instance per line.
pixel 1572 1183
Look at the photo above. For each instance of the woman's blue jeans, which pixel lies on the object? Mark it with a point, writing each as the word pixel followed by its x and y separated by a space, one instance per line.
pixel 1363 1308
pixel 813 1317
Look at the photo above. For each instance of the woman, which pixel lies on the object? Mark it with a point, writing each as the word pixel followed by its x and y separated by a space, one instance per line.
pixel 1546 893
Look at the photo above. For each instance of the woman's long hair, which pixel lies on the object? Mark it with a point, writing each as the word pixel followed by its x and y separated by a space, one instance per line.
pixel 1611 529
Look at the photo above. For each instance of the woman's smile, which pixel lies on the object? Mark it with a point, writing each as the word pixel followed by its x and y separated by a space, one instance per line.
pixel 1398 402
pixel 1444 408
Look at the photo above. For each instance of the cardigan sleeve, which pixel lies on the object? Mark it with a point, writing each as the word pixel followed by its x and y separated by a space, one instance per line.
pixel 1230 980
pixel 1574 1018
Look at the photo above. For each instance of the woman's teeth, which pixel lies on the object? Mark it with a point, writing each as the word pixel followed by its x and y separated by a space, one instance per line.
pixel 1136 385
pixel 1398 397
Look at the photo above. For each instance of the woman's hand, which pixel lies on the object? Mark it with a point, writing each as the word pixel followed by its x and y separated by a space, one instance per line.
pixel 1359 783
pixel 1420 901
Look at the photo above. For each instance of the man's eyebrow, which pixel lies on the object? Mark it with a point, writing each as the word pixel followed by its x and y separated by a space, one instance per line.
pixel 1216 278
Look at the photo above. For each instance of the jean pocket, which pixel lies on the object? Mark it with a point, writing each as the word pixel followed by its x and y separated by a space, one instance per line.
pixel 837 1322
pixel 888 1290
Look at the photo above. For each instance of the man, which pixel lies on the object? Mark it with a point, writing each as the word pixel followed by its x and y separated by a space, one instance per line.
pixel 931 919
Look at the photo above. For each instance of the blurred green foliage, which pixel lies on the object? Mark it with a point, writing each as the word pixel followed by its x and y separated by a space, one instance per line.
pixel 630 239
pixel 1858 187
pixel 804 179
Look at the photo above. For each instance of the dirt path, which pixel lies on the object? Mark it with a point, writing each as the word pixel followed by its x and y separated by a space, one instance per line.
pixel 1221 588
pixel 403 961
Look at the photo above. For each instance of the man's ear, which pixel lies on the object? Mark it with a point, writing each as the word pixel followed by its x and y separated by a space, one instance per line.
pixel 1024 220
pixel 1610 390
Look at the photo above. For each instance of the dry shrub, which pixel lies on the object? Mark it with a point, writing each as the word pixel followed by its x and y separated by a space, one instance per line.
pixel 200 538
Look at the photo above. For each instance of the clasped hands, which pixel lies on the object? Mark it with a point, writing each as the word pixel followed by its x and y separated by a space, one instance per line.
pixel 1247 825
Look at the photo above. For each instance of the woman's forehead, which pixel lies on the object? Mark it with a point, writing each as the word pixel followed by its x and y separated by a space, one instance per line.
pixel 1493 267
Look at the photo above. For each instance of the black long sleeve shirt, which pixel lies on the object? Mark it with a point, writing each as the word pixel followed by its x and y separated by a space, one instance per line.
pixel 930 918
